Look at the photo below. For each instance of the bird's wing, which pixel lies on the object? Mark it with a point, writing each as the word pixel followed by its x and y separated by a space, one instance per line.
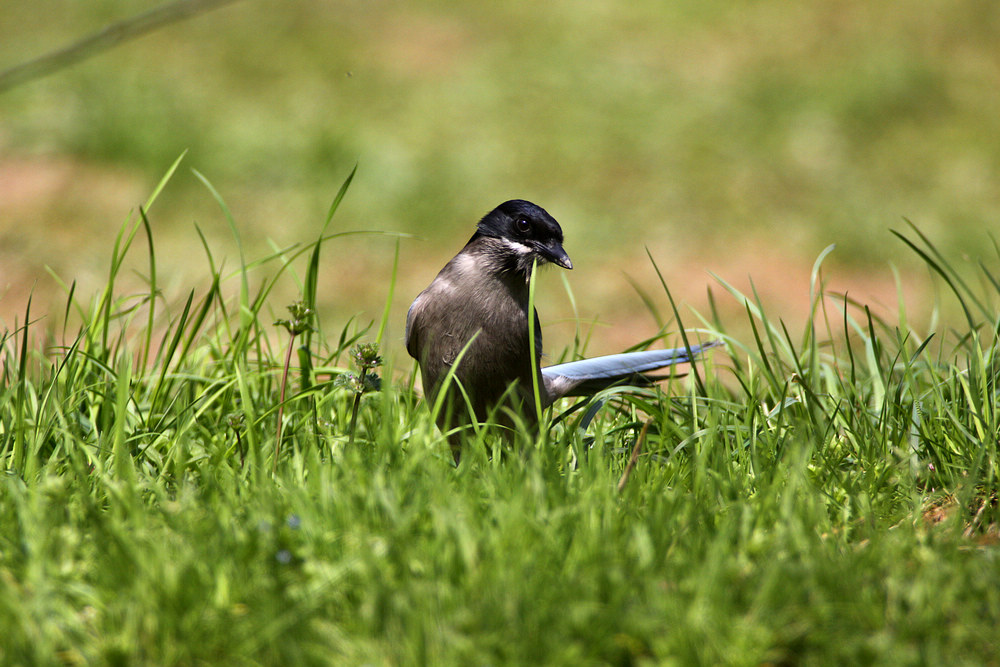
pixel 588 376
pixel 412 345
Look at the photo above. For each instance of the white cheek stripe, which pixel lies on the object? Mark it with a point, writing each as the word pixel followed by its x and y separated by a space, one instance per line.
pixel 519 248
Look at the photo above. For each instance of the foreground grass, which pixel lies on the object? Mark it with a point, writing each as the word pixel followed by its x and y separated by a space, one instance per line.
pixel 817 497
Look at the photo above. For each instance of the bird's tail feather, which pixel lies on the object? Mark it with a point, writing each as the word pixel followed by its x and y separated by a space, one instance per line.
pixel 587 376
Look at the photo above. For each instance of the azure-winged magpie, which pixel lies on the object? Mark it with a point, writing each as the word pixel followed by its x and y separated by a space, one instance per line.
pixel 481 296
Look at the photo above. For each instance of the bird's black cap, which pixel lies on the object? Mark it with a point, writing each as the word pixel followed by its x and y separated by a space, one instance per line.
pixel 529 226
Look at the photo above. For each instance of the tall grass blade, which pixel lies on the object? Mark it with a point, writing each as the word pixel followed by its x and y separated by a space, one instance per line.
pixel 153 291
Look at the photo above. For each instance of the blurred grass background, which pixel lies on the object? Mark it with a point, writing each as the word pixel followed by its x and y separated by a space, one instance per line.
pixel 733 137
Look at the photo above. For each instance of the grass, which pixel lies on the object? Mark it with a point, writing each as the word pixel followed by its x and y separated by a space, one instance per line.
pixel 821 494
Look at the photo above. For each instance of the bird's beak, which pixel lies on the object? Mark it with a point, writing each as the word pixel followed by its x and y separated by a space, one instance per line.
pixel 554 253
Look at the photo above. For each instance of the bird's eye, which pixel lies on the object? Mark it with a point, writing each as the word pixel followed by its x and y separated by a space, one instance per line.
pixel 522 226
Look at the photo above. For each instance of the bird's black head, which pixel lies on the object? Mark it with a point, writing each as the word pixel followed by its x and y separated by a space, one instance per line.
pixel 526 233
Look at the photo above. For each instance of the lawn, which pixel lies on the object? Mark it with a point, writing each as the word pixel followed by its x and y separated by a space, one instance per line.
pixel 812 496
pixel 193 469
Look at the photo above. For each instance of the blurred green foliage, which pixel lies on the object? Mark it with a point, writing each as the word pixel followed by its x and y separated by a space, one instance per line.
pixel 688 127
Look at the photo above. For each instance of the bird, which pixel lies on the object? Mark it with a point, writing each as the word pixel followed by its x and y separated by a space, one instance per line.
pixel 472 322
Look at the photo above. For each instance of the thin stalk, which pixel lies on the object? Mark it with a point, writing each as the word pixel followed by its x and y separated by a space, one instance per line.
pixel 356 408
pixel 281 400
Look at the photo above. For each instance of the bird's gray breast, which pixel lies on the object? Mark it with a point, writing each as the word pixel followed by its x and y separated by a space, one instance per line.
pixel 463 304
